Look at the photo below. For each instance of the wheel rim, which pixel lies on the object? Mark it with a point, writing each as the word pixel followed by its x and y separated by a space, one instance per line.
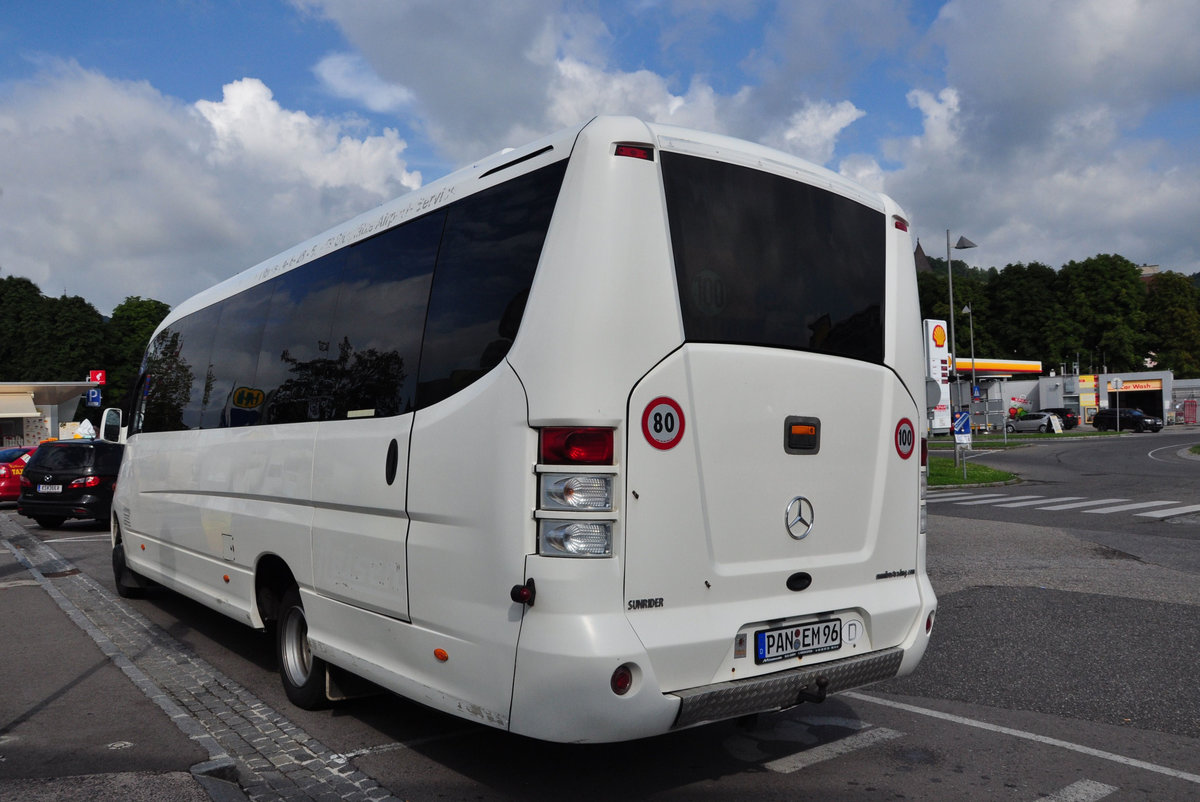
pixel 297 657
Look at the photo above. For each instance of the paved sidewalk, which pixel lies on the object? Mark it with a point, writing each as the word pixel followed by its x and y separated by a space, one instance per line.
pixel 100 704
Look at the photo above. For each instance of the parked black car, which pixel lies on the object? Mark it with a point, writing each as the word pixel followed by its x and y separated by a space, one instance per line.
pixel 1132 420
pixel 1069 419
pixel 70 479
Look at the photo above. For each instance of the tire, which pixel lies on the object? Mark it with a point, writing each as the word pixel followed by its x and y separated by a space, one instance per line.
pixel 50 521
pixel 1043 428
pixel 303 675
pixel 1010 428
pixel 129 584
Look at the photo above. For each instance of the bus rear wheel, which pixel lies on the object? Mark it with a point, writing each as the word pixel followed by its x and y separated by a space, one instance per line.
pixel 303 675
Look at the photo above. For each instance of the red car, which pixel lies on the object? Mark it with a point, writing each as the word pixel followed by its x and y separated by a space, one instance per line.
pixel 12 465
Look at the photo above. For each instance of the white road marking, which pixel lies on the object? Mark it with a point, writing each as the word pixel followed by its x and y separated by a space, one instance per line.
pixel 1028 736
pixel 834 749
pixel 1126 507
pixel 1093 503
pixel 1082 791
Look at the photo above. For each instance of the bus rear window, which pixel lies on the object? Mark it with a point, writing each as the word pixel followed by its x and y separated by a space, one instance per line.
pixel 765 260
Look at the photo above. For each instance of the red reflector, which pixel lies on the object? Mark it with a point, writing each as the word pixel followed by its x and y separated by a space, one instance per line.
pixel 621 681
pixel 636 152
pixel 924 453
pixel 585 446
pixel 901 223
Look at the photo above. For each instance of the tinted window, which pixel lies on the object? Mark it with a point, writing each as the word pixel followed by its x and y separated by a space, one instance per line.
pixel 765 260
pixel 489 253
pixel 61 458
pixel 171 388
pixel 232 398
pixel 376 336
pixel 294 354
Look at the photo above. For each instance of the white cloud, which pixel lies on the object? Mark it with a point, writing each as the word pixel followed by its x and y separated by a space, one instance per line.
pixel 110 189
pixel 346 75
pixel 812 132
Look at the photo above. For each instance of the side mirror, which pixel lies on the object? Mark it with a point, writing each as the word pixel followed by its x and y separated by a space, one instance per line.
pixel 110 425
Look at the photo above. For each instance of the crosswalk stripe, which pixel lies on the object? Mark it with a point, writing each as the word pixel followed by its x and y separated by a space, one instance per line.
pixel 1041 500
pixel 1173 511
pixel 1126 507
pixel 1008 498
pixel 989 500
pixel 1077 504
pixel 947 497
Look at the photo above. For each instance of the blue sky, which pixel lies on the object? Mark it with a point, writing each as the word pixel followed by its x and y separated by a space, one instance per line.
pixel 154 148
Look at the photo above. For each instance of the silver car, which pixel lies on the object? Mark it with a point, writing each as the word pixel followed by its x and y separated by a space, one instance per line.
pixel 1033 422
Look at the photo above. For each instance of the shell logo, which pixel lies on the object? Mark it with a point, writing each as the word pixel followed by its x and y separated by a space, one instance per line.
pixel 939 336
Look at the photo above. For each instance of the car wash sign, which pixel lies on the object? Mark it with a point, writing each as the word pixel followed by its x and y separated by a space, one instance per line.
pixel 937 367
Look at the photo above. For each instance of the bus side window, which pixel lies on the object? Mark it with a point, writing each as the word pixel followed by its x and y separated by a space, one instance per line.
pixel 295 354
pixel 489 253
pixel 232 398
pixel 379 319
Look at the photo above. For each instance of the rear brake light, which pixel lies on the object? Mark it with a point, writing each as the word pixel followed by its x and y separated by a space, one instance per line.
pixel 584 446
pixel 635 151
pixel 901 223
pixel 86 481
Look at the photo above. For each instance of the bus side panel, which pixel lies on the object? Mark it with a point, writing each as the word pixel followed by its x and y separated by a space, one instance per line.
pixel 470 500
pixel 603 308
pixel 211 503
pixel 359 525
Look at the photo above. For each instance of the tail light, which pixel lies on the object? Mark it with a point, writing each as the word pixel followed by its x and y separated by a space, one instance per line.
pixel 576 479
pixel 924 485
pixel 4 472
pixel 86 481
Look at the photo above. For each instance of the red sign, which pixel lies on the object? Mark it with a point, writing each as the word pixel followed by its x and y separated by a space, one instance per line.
pixel 96 376
pixel 906 438
pixel 662 423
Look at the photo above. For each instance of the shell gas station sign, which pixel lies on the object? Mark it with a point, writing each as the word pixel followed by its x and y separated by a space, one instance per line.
pixel 937 367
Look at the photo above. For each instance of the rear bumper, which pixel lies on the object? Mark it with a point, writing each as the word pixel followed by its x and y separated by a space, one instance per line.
pixel 84 507
pixel 781 690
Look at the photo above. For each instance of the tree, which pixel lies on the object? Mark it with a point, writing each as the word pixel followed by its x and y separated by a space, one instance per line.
pixel 1173 324
pixel 1104 298
pixel 1027 313
pixel 126 337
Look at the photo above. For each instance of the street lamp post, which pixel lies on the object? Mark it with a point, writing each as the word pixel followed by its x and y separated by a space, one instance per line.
pixel 962 244
pixel 971 317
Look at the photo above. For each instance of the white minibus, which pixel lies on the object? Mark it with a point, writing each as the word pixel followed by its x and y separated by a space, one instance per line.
pixel 607 436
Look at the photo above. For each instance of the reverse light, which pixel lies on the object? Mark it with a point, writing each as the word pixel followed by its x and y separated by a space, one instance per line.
pixel 575 538
pixel 590 492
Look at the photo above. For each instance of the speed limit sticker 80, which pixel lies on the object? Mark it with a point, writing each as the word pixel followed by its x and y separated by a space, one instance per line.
pixel 662 423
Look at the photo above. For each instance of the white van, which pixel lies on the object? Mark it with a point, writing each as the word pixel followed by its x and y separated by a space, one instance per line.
pixel 609 435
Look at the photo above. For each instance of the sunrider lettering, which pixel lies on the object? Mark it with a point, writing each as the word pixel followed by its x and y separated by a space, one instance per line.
pixel 644 604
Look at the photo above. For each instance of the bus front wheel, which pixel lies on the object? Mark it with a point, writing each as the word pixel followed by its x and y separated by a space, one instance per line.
pixel 303 675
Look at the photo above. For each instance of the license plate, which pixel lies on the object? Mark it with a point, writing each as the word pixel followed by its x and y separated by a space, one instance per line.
pixel 779 644
pixel 49 488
